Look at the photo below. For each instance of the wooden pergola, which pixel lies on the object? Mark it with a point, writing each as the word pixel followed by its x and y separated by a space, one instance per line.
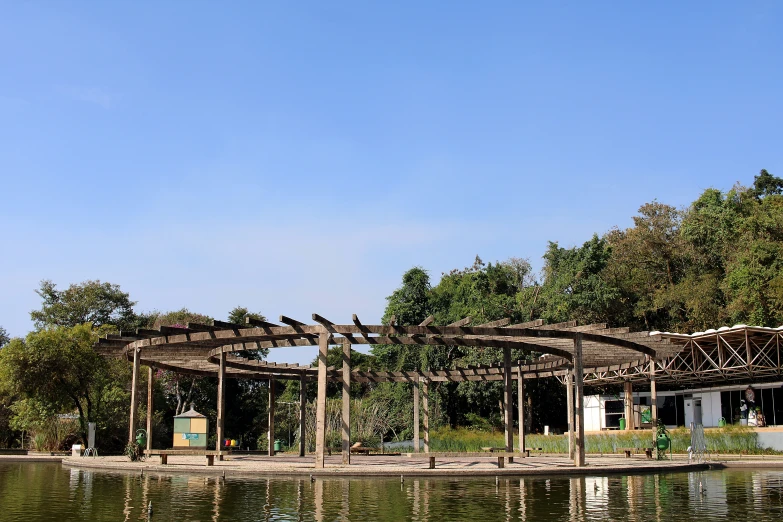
pixel 569 353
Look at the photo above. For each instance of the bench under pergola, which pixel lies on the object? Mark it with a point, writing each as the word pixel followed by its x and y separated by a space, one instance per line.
pixel 569 353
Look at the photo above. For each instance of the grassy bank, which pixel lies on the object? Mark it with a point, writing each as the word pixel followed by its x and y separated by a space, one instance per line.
pixel 730 439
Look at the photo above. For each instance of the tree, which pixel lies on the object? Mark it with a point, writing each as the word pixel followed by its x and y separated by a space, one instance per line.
pixel 4 337
pixel 101 304
pixel 240 315
pixel 765 184
pixel 58 367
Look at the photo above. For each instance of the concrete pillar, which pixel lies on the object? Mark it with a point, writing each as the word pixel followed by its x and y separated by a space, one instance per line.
pixel 302 413
pixel 508 401
pixel 320 406
pixel 579 428
pixel 150 405
pixel 134 407
pixel 425 406
pixel 570 401
pixel 270 434
pixel 346 415
pixel 221 405
pixel 521 408
pixel 416 440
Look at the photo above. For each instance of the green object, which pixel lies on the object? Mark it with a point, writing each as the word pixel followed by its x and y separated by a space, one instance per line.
pixel 721 422
pixel 181 425
pixel 278 445
pixel 141 438
pixel 190 436
pixel 662 442
pixel 647 416
pixel 622 424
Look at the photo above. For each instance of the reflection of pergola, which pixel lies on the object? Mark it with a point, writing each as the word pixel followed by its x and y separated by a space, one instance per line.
pixel 570 353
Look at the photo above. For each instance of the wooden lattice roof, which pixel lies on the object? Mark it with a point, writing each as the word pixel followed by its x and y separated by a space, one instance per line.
pixel 196 349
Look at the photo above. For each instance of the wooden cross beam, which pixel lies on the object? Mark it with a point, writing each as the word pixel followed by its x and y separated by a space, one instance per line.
pixel 462 322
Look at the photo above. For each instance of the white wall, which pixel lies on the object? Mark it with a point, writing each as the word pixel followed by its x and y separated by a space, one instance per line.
pixel 593 413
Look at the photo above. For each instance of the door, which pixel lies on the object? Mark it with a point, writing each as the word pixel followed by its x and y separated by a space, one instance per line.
pixel 697 411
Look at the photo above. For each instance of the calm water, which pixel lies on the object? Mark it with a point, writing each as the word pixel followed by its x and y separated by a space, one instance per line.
pixel 32 492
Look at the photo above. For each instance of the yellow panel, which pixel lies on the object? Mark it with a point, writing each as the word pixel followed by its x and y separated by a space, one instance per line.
pixel 198 425
pixel 179 442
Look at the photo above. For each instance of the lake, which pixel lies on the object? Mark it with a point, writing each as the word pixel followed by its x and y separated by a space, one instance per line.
pixel 49 491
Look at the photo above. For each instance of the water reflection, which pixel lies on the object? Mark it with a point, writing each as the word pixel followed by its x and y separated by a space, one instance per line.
pixel 45 491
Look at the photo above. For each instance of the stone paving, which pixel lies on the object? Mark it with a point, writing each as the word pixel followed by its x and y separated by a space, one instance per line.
pixel 385 465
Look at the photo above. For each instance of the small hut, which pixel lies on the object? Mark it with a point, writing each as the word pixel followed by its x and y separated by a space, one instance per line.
pixel 190 430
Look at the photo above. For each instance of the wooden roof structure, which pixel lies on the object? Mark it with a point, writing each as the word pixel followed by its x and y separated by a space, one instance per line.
pixel 196 348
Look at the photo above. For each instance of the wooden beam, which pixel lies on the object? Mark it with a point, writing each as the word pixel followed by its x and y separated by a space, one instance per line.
pixel 134 396
pixel 570 411
pixel 221 405
pixel 302 413
pixel 461 322
pixel 427 321
pixel 259 323
pixel 150 403
pixel 425 403
pixel 579 435
pixel 326 323
pixel 271 424
pixel 494 324
pixel 416 442
pixel 346 413
pixel 508 400
pixel 291 322
pixel 521 408
pixel 320 408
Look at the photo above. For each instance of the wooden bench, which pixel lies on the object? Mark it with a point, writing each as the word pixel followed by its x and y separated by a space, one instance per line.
pixel 164 454
pixel 629 451
pixel 501 455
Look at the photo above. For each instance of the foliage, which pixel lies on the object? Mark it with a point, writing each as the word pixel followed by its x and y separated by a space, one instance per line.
pixel 240 315
pixel 4 337
pixel 100 304
pixel 134 452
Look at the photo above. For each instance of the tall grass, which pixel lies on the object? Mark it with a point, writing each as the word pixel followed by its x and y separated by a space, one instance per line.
pixel 730 439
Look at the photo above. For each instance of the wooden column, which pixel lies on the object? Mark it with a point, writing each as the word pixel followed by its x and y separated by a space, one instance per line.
pixel 270 434
pixel 521 408
pixel 416 441
pixel 150 404
pixel 320 406
pixel 629 418
pixel 425 405
pixel 579 428
pixel 302 413
pixel 508 401
pixel 653 399
pixel 221 405
pixel 570 401
pixel 346 416
pixel 134 409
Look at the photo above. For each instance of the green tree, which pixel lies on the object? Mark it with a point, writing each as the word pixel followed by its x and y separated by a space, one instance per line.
pixel 58 367
pixel 101 304
pixel 239 315
pixel 4 337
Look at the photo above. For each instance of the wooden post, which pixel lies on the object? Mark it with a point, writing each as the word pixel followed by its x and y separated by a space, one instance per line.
pixel 416 441
pixel 150 405
pixel 425 406
pixel 579 435
pixel 346 416
pixel 221 405
pixel 521 408
pixel 653 400
pixel 628 392
pixel 570 401
pixel 508 401
pixel 270 434
pixel 320 406
pixel 302 413
pixel 134 409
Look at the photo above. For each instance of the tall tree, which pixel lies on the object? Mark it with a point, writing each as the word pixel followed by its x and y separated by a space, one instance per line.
pixel 92 302
pixel 239 315
pixel 4 337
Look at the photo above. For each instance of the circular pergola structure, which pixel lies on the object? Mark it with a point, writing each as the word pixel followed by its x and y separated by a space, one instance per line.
pixel 570 352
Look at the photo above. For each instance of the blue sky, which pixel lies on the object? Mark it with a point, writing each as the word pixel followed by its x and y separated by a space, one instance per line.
pixel 299 157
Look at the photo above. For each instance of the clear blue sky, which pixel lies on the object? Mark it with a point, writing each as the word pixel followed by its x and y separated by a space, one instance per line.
pixel 298 157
